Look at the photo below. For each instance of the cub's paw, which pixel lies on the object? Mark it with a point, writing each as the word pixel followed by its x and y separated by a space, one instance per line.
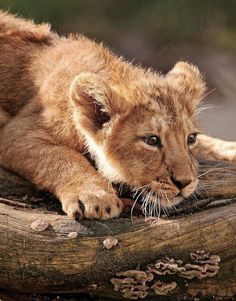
pixel 97 205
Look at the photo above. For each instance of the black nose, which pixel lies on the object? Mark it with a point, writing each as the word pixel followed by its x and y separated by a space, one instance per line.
pixel 181 183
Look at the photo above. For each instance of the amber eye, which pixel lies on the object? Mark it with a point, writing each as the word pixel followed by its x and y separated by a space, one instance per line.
pixel 153 140
pixel 192 139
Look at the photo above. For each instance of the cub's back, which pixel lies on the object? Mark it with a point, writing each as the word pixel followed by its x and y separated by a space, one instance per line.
pixel 19 41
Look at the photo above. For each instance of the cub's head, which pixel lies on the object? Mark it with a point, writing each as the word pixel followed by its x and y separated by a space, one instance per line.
pixel 143 132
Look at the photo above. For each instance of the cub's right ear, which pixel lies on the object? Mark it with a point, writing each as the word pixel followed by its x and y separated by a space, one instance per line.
pixel 95 101
pixel 187 80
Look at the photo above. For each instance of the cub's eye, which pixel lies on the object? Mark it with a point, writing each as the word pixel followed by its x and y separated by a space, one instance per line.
pixel 153 140
pixel 192 139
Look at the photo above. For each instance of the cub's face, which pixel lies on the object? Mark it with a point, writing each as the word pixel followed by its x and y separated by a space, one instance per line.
pixel 153 153
pixel 150 143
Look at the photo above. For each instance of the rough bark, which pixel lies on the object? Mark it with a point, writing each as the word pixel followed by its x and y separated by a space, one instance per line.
pixel 42 250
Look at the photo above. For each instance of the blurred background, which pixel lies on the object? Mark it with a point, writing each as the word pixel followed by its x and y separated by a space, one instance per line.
pixel 158 33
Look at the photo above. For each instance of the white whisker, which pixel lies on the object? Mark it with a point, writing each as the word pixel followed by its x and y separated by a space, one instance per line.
pixel 136 199
pixel 209 170
pixel 204 108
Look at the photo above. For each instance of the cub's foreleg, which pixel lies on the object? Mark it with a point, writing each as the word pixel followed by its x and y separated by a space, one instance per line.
pixel 216 149
pixel 32 153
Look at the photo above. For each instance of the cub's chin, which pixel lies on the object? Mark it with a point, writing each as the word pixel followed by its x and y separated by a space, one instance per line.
pixel 161 202
pixel 154 207
pixel 168 203
pixel 154 203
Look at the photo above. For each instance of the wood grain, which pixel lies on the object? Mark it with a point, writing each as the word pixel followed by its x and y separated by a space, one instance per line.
pixel 51 261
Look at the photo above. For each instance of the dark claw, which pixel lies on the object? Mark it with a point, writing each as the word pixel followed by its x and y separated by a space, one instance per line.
pixel 82 207
pixel 96 208
pixel 78 216
pixel 108 209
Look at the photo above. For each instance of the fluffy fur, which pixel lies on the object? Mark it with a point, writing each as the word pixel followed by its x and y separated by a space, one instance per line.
pixel 74 119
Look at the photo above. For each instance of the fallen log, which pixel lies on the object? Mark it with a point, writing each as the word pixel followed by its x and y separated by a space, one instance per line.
pixel 190 253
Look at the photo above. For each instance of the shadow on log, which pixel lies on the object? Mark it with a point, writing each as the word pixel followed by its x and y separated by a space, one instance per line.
pixel 190 253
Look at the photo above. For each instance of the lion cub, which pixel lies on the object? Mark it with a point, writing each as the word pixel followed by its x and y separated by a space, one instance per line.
pixel 68 102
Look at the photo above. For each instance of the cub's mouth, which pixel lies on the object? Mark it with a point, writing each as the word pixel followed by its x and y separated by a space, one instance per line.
pixel 155 199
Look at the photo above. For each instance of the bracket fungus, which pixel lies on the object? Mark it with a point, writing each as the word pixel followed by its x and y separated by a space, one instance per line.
pixel 110 242
pixel 166 266
pixel 162 288
pixel 39 225
pixel 204 265
pixel 132 284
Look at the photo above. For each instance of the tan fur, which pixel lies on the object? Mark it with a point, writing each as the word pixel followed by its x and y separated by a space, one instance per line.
pixel 68 102
pixel 10 24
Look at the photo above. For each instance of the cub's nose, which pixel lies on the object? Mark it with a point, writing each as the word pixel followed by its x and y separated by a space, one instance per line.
pixel 181 183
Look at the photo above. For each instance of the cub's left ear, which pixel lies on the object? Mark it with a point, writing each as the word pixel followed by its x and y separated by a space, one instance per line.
pixel 95 101
pixel 189 83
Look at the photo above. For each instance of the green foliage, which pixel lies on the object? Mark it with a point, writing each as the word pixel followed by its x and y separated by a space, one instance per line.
pixel 164 21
